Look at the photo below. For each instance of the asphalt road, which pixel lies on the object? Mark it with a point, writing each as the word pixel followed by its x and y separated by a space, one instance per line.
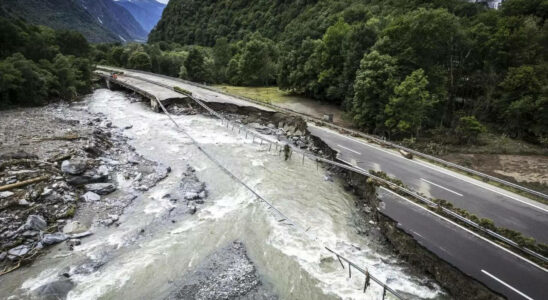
pixel 477 257
pixel 506 209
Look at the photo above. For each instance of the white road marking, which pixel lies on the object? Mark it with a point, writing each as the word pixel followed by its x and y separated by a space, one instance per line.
pixel 438 170
pixel 507 285
pixel 465 229
pixel 441 187
pixel 417 234
pixel 340 146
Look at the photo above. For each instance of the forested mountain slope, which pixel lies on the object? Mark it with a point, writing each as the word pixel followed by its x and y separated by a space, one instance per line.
pixel 146 12
pixel 58 14
pixel 116 18
pixel 97 20
pixel 403 68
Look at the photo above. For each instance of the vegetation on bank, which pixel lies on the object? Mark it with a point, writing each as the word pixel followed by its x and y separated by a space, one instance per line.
pixel 38 63
pixel 401 68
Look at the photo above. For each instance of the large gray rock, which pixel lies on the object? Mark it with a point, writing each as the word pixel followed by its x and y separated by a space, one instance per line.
pixel 19 250
pixel 34 222
pixel 100 188
pixel 74 166
pixel 89 176
pixel 53 238
pixel 5 194
pixel 54 290
pixel 73 227
pixel 191 187
pixel 91 197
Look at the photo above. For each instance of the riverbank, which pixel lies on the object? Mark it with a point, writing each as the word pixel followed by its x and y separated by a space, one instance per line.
pixel 64 172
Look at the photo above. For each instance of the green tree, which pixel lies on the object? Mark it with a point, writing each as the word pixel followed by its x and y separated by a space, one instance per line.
pixel 10 82
pixel 374 85
pixel 72 43
pixel 26 84
pixel 195 66
pixel 357 42
pixel 258 62
pixel 409 107
pixel 468 129
pixel 524 101
pixel 66 77
pixel 233 71
pixel 116 56
pixel 332 59
pixel 140 61
pixel 221 56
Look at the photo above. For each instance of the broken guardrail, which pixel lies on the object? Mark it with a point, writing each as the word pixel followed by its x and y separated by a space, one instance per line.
pixel 368 276
pixel 356 133
pixel 344 166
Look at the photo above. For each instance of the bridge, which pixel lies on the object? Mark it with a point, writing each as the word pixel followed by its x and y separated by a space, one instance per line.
pixel 503 271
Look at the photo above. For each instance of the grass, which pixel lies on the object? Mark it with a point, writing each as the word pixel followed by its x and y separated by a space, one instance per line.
pixel 491 143
pixel 269 94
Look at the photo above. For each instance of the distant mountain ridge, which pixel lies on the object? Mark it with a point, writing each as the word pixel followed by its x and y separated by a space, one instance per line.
pixel 116 18
pixel 97 20
pixel 146 12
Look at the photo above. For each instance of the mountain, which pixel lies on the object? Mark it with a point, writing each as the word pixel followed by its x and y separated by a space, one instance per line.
pixel 146 12
pixel 58 14
pixel 116 18
pixel 97 20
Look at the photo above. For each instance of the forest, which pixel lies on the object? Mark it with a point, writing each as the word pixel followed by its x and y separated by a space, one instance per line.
pixel 404 69
pixel 39 64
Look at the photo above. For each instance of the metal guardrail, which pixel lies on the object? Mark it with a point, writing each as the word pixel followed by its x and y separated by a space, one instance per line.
pixel 356 170
pixel 368 276
pixel 354 132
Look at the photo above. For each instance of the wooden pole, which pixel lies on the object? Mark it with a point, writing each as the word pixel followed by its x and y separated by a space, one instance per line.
pixel 22 183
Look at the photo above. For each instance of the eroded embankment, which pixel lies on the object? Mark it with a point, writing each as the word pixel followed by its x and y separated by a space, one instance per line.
pixel 460 285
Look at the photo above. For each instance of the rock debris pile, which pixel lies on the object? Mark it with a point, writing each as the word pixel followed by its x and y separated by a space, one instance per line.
pixel 57 163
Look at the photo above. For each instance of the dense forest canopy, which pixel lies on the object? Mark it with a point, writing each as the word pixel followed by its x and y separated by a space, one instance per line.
pixel 402 68
pixel 38 63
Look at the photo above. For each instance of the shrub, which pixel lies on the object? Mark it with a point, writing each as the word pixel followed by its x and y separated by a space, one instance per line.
pixel 468 129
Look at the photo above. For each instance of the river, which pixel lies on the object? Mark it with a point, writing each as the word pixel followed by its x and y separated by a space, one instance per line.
pixel 147 254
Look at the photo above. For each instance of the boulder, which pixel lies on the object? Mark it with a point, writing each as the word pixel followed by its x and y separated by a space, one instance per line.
pixel 73 227
pixel 91 197
pixel 53 238
pixel 35 222
pixel 19 250
pixel 74 166
pixel 89 176
pixel 100 188
pixel 54 290
pixel 5 194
